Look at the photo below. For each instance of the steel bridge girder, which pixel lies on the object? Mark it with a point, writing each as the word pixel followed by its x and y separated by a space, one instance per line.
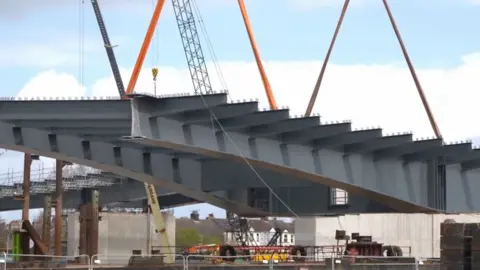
pixel 153 168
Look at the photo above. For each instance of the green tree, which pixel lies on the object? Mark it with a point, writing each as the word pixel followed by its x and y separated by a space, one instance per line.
pixel 186 237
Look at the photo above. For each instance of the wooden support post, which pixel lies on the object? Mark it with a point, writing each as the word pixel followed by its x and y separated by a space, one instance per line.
pixel 47 216
pixel 27 162
pixel 24 238
pixel 82 249
pixel 58 207
pixel 89 218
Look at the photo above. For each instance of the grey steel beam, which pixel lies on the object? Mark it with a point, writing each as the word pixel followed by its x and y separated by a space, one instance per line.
pixel 409 148
pixel 378 143
pixel 225 175
pixel 64 110
pixel 463 157
pixel 173 105
pixel 444 151
pixel 166 201
pixel 99 137
pixel 348 138
pixel 315 133
pixel 254 119
pixel 154 168
pixel 470 165
pixel 122 131
pixel 221 112
pixel 287 125
pixel 304 174
pixel 92 123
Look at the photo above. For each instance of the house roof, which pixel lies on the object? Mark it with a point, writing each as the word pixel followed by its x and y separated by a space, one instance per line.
pixel 218 225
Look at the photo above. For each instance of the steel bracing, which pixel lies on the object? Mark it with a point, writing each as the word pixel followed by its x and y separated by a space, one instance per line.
pixel 170 142
pixel 115 192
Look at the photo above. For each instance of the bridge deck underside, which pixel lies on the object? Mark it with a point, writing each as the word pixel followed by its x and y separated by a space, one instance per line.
pixel 177 146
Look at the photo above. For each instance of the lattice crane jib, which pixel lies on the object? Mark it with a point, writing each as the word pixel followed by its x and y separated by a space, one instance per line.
pixel 192 46
pixel 108 48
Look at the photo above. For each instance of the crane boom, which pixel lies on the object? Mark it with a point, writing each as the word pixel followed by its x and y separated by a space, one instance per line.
pixel 108 48
pixel 152 196
pixel 192 46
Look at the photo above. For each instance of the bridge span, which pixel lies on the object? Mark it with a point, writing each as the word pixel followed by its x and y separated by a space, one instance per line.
pixel 176 144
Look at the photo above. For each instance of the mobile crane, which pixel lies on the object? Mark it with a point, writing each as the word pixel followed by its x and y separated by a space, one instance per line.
pixel 150 189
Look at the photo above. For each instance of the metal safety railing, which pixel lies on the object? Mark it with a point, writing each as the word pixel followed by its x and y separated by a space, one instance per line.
pixel 3 260
pixel 134 260
pixel 260 261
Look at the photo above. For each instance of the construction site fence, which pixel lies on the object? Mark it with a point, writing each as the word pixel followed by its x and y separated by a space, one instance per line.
pixel 291 262
pixel 207 262
pixel 136 260
pixel 33 261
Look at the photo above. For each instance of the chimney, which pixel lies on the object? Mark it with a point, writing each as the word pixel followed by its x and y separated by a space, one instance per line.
pixel 195 215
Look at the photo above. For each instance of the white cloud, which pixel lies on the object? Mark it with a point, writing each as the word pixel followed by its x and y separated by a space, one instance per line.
pixel 52 84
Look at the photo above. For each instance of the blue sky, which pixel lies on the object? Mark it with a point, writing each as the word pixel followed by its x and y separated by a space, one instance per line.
pixel 438 33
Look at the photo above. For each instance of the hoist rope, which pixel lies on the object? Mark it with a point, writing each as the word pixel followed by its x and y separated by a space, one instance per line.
pixel 81 41
pixel 154 51
pixel 210 48
pixel 215 120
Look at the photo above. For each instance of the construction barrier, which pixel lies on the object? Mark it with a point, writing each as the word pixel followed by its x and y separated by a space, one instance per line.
pixel 3 261
pixel 134 260
pixel 32 261
pixel 311 263
pixel 214 259
pixel 370 262
pixel 269 261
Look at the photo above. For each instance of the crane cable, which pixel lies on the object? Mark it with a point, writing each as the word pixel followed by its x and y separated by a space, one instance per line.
pixel 210 47
pixel 216 121
pixel 155 51
pixel 81 41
